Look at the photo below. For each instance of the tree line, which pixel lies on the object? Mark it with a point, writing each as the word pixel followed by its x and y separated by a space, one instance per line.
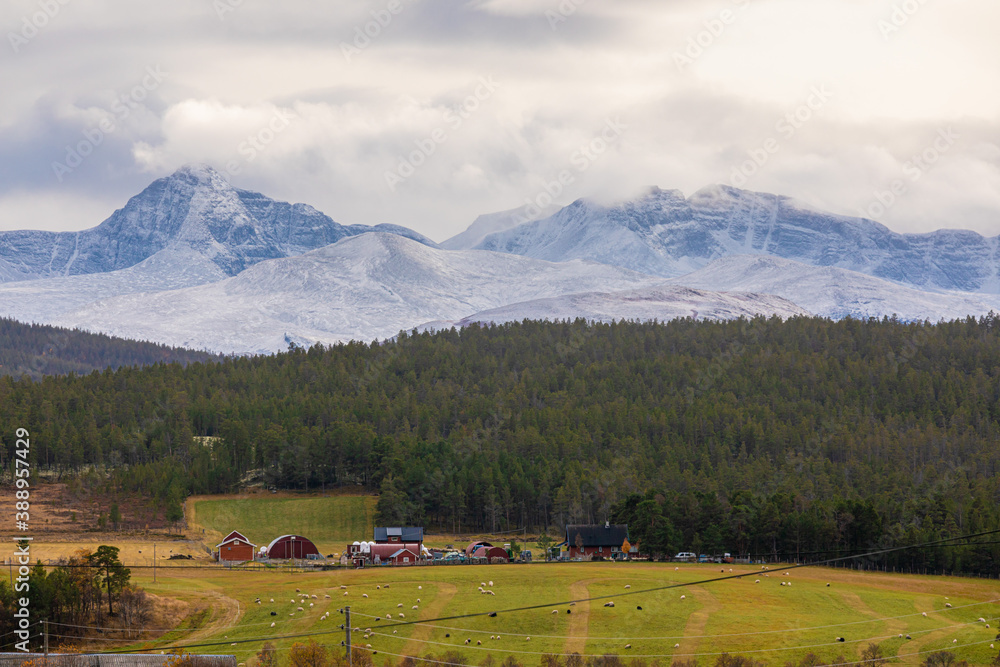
pixel 775 438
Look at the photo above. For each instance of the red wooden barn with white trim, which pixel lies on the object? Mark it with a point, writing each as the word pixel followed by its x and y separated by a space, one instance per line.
pixel 236 548
pixel 291 546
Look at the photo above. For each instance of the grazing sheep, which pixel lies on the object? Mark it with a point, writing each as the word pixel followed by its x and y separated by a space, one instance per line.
pixel 479 643
pixel 345 594
pixel 420 588
pixel 387 586
pixel 492 637
pixel 900 636
pixel 638 608
pixel 272 599
pixel 789 583
pixel 768 576
pixel 527 639
pixel 490 593
pixel 555 611
pixel 272 624
pixel 310 604
pixel 297 590
pixel 418 600
pixel 628 586
pixel 364 595
pixel 291 613
pixel 840 639
pixel 782 583
pixel 924 614
pixel 493 614
pixel 314 597
pixel 368 645
pixel 491 584
pixel 402 615
pixel 467 641
pixel 394 632
pixel 828 585
pixel 343 588
pixel 327 596
pixel 413 607
pixel 676 569
pixel 723 570
pixel 378 588
pixel 569 611
pixel 274 613
pixel 677 645
pixel 628 646
pixel 292 601
pixel 399 606
pixel 448 635
pixel 388 617
pixel 482 584
pixel 982 620
pixel 757 581
pixel 948 605
pixel 683 596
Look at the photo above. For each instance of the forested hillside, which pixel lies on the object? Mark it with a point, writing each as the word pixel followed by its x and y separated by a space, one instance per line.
pixel 37 350
pixel 764 437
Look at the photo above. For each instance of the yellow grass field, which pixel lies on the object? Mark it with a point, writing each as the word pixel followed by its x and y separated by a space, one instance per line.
pixel 767 621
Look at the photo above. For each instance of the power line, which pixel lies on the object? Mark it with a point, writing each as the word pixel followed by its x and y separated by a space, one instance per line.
pixel 721 636
pixel 592 598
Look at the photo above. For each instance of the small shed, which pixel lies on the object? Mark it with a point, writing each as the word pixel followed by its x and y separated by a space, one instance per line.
pixel 491 554
pixel 291 546
pixel 236 548
pixel 395 553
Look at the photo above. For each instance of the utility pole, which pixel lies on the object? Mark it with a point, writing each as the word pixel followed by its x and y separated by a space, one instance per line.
pixel 347 625
pixel 154 562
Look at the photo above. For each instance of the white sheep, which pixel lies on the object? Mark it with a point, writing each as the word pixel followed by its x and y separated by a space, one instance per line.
pixel 683 597
pixel 364 595
pixel 420 588
pixel 555 611
pixel 388 617
pixel 948 605
pixel 378 588
pixel 924 614
pixel 467 641
pixel 299 609
pixel 345 594
pixel 418 600
pixel 272 625
pixel 272 599
pixel 399 606
pixel 402 615
pixel 628 586
pixel 310 604
pixel 414 607
pixel 954 641
pixel 527 639
pixel 628 646
pixel 491 584
pixel 677 645
pixel 757 581
pixel 479 643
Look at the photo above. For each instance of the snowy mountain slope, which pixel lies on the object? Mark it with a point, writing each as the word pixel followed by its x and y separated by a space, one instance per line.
pixel 664 234
pixel 492 223
pixel 361 288
pixel 833 292
pixel 659 302
pixel 195 209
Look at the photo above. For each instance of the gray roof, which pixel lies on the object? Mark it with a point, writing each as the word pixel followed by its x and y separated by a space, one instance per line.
pixel 411 534
pixel 598 536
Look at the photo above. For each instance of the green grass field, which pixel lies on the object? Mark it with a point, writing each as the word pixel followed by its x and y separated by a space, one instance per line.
pixel 769 622
pixel 330 522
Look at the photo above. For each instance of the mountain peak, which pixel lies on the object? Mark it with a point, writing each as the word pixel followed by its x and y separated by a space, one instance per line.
pixel 200 172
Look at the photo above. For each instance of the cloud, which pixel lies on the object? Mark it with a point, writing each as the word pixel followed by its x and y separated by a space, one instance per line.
pixel 270 90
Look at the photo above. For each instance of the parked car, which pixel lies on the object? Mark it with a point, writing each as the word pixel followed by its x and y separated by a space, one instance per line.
pixel 686 556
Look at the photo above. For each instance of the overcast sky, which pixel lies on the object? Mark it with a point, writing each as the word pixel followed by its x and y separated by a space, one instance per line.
pixel 448 109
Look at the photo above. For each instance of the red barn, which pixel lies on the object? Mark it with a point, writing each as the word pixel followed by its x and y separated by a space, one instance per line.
pixel 291 546
pixel 491 554
pixel 398 554
pixel 236 548
pixel 605 541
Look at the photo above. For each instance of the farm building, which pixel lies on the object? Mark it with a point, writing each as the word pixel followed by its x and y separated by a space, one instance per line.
pixel 399 536
pixel 236 548
pixel 587 541
pixel 471 549
pixel 370 553
pixel 491 554
pixel 292 546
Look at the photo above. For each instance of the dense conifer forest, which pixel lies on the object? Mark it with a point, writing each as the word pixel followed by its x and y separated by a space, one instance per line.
pixel 37 350
pixel 803 439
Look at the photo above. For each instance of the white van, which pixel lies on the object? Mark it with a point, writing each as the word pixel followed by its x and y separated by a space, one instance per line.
pixel 686 555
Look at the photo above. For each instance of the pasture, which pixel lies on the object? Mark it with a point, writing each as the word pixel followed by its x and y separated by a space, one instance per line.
pixel 767 621
pixel 331 522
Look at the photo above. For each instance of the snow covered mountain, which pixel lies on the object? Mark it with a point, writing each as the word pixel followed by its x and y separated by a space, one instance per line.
pixel 366 287
pixel 492 223
pixel 835 293
pixel 663 233
pixel 644 304
pixel 196 217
